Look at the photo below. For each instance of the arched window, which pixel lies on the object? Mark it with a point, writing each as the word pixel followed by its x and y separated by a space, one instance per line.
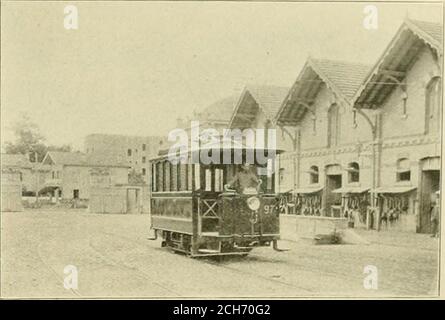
pixel 403 170
pixel 313 175
pixel 432 105
pixel 353 172
pixel 333 125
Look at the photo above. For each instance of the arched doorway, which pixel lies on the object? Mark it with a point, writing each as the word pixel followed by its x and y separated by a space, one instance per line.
pixel 333 181
pixel 429 186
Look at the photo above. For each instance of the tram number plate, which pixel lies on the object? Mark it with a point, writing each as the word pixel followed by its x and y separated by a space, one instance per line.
pixel 268 209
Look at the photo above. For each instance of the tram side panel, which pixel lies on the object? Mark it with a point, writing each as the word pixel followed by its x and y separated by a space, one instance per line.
pixel 238 219
pixel 172 214
pixel 235 216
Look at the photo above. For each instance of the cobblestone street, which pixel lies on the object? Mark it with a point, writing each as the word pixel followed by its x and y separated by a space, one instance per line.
pixel 115 259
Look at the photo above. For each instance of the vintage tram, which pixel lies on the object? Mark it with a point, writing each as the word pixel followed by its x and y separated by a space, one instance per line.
pixel 195 213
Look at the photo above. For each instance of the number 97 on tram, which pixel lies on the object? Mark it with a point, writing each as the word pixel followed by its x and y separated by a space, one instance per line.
pixel 204 208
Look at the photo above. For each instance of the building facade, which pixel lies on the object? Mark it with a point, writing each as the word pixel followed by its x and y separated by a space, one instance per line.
pixel 69 173
pixel 404 89
pixel 332 171
pixel 23 167
pixel 256 109
pixel 135 151
pixel 368 137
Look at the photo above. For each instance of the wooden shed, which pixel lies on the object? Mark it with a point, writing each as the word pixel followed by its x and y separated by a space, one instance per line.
pixel 108 197
pixel 11 190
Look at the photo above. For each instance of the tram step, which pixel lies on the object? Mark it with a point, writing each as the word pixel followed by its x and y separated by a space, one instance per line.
pixel 210 234
pixel 208 251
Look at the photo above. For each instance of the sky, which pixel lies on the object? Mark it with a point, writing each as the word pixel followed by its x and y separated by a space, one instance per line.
pixel 134 68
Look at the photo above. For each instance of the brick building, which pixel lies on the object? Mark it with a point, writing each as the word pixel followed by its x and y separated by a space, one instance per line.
pixel 217 115
pixel 404 91
pixel 132 150
pixel 256 109
pixel 368 137
pixel 332 175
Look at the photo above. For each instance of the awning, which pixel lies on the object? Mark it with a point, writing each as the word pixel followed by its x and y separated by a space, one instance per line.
pixel 308 190
pixel 351 190
pixel 394 189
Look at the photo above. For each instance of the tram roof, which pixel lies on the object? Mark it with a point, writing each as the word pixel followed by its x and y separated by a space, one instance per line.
pixel 221 147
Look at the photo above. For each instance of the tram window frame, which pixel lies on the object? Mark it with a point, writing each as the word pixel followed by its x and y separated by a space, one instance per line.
pixel 173 177
pixel 197 176
pixel 153 177
pixel 160 176
pixel 219 180
pixel 189 176
pixel 182 177
pixel 208 179
pixel 270 175
pixel 167 176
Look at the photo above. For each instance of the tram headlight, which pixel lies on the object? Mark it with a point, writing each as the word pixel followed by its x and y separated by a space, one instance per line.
pixel 253 203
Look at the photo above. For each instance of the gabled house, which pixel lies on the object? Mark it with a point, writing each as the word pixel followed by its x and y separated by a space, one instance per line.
pixel 256 109
pixel 405 89
pixel 69 173
pixel 21 164
pixel 333 172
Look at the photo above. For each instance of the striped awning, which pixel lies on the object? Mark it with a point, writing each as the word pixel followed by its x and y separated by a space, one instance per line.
pixel 351 190
pixel 308 190
pixel 397 189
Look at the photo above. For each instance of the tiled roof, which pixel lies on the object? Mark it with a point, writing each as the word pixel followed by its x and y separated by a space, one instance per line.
pixel 14 161
pixel 345 77
pixel 81 159
pixel 432 29
pixel 413 34
pixel 220 110
pixel 67 158
pixel 269 98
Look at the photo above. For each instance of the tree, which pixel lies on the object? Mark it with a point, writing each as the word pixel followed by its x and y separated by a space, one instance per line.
pixel 29 140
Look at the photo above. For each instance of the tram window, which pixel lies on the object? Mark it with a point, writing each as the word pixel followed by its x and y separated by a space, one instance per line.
pixel 189 176
pixel 208 180
pixel 166 175
pixel 197 177
pixel 182 177
pixel 270 175
pixel 160 176
pixel 173 177
pixel 153 177
pixel 219 179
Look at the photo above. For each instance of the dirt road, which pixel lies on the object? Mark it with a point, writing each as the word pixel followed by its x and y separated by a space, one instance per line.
pixel 114 259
